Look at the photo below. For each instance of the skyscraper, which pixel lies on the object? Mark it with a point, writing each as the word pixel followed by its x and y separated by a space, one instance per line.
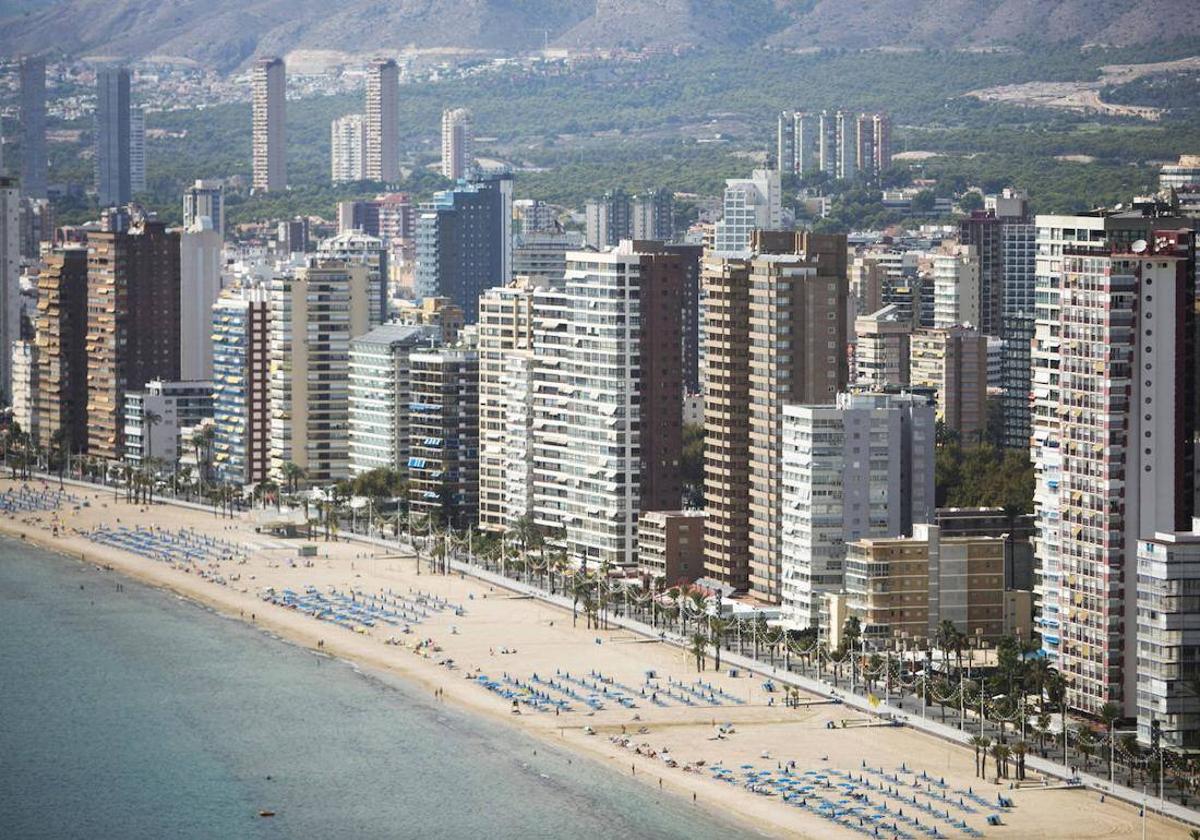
pixel 10 279
pixel 365 250
pixel 269 126
pixel 348 149
pixel 383 121
pixel 443 463
pixel 200 261
pixel 381 394
pixel 315 313
pixel 608 219
pixel 241 340
pixel 865 156
pixel 860 468
pixel 653 215
pixel 882 135
pixel 785 143
pixel 1126 461
pixel 137 150
pixel 458 143
pixel 775 333
pixel 808 143
pixel 62 347
pixel 608 414
pixel 749 204
pixel 847 146
pixel 204 198
pixel 827 144
pixel 33 126
pixel 112 131
pixel 464 242
pixel 133 328
pixel 953 360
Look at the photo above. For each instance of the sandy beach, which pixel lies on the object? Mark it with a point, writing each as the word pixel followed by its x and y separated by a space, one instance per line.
pixel 665 734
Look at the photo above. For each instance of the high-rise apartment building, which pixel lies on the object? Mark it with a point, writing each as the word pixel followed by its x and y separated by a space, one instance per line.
pixel 785 143
pixel 178 406
pixel 241 339
pixel 112 137
pixel 383 121
pixel 808 143
pixel 506 322
pixel 861 468
pixel 797 355
pixel 1057 235
pixel 535 216
pixel 882 351
pixel 881 130
pixel 364 250
pixel 137 151
pixel 956 287
pixel 690 256
pixel 865 159
pixel 608 413
pixel 749 204
pixel 828 143
pixel 847 146
pixel 205 198
pixel 315 313
pixel 24 400
pixel 62 347
pixel 201 261
pixel 544 255
pixel 10 279
pixel 270 125
pixel 458 143
pixel 774 333
pixel 464 242
pixel 33 126
pixel 443 462
pixel 1005 267
pixel 953 360
pixel 608 219
pixel 381 393
pixel 653 215
pixel 37 225
pixel 1125 465
pixel 133 320
pixel 348 149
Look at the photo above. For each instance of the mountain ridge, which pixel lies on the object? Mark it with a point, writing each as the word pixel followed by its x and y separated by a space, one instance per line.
pixel 227 35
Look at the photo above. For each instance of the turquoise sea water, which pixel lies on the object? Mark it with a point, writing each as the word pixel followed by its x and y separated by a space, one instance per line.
pixel 136 714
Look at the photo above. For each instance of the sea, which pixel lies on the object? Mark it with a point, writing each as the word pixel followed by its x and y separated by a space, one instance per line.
pixel 129 712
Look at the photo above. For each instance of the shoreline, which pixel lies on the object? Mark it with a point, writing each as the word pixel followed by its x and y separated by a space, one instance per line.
pixel 131 567
pixel 765 728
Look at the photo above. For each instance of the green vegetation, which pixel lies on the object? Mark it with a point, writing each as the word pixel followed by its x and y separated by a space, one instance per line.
pixel 688 122
pixel 984 476
pixel 692 464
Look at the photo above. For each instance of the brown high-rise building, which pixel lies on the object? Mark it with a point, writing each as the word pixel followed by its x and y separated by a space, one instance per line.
pixel 775 333
pixel 133 321
pixel 383 121
pixel 62 348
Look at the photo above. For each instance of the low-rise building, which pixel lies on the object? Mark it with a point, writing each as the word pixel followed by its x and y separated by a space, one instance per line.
pixel 671 545
pixel 909 585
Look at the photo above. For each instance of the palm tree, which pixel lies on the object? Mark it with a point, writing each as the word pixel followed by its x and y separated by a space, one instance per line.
pixel 985 742
pixel 150 419
pixel 1019 749
pixel 293 475
pixel 1109 714
pixel 717 628
pixel 1000 756
pixel 699 647
pixel 979 742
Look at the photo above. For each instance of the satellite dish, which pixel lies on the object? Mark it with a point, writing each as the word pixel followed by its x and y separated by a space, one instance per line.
pixel 1139 246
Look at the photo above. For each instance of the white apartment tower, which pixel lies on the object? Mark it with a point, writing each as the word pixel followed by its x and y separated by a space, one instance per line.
pixel 269 78
pixel 860 468
pixel 956 286
pixel 749 204
pixel 380 393
pixel 10 280
pixel 458 143
pixel 348 149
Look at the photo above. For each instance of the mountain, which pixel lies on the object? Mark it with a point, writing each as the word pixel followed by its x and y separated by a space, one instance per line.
pixel 226 33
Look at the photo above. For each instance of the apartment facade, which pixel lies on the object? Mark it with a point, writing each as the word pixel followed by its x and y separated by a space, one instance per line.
pixel 953 361
pixel 268 129
pixel 348 149
pixel 383 121
pixel 671 546
pixel 241 339
pixel 861 468
pixel 458 143
pixel 443 462
pixel 133 277
pixel 381 392
pixel 62 316
pixel 316 312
